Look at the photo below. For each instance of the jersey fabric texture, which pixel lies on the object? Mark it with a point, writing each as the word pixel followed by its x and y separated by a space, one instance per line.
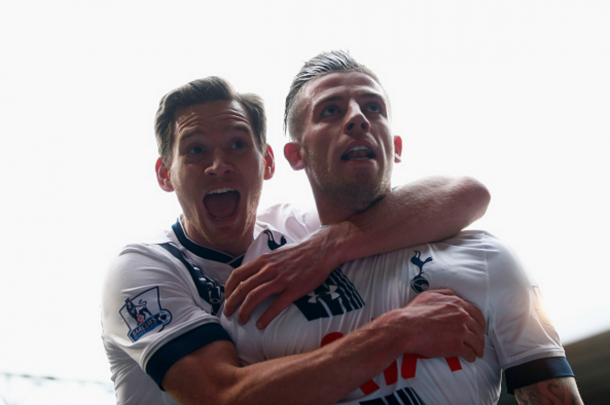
pixel 475 265
pixel 161 301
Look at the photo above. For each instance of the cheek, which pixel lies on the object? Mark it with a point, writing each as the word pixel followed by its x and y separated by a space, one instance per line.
pixel 255 174
pixel 186 181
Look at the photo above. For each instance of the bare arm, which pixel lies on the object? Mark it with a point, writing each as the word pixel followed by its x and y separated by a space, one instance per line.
pixel 435 324
pixel 426 210
pixel 555 391
pixel 423 211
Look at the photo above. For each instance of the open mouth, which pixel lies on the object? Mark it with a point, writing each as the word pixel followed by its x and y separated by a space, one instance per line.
pixel 358 153
pixel 221 203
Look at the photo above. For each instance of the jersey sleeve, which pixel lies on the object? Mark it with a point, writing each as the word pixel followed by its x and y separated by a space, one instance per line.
pixel 152 315
pixel 289 220
pixel 527 344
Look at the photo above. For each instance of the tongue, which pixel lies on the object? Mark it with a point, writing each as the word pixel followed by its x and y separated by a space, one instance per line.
pixel 221 205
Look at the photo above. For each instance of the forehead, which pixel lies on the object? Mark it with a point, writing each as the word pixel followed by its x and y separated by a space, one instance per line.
pixel 216 115
pixel 341 84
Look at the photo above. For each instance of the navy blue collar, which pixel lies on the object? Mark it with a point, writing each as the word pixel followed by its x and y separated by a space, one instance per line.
pixel 205 252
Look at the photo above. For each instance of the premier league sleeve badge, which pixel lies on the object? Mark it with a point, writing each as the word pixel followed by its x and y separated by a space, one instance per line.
pixel 143 314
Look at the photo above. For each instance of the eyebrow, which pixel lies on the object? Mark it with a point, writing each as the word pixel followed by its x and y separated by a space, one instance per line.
pixel 331 99
pixel 373 95
pixel 237 126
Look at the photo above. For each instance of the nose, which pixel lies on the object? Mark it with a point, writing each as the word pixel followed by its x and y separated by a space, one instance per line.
pixel 356 122
pixel 220 165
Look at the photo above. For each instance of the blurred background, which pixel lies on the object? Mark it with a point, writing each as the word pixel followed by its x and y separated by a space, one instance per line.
pixel 515 94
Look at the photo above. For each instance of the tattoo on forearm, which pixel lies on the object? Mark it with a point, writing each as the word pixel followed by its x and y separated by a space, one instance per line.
pixel 560 391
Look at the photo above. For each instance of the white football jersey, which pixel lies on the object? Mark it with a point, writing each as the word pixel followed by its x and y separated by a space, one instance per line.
pixel 475 265
pixel 161 301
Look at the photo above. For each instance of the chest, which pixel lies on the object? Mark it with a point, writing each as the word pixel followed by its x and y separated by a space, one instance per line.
pixel 359 291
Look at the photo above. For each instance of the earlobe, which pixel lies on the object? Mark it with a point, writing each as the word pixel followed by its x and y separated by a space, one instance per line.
pixel 163 176
pixel 269 163
pixel 293 152
pixel 397 149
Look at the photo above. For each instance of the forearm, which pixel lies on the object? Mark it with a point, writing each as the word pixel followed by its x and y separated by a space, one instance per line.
pixel 422 211
pixel 555 391
pixel 434 324
pixel 324 376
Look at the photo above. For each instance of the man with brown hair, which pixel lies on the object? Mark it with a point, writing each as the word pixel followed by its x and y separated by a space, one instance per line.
pixel 338 116
pixel 213 154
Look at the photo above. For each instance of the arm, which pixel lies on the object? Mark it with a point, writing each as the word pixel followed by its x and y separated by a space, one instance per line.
pixel 518 327
pixel 554 391
pixel 423 211
pixel 211 375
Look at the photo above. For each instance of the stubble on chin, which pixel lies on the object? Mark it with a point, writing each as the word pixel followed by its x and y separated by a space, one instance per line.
pixel 355 195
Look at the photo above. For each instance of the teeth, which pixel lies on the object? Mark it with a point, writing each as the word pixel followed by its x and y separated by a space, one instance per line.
pixel 358 153
pixel 221 190
pixel 358 148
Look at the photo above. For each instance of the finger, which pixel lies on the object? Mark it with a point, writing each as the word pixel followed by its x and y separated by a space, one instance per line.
pixel 475 346
pixel 240 274
pixel 475 337
pixel 476 314
pixel 276 307
pixel 444 291
pixel 468 354
pixel 255 298
pixel 240 293
pixel 231 304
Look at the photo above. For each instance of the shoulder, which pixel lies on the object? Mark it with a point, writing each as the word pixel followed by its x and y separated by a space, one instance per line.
pixel 476 239
pixel 288 219
pixel 143 270
pixel 498 255
pixel 505 271
pixel 138 260
pixel 266 241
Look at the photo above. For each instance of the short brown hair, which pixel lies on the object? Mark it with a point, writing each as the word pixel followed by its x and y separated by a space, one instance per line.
pixel 203 91
pixel 324 63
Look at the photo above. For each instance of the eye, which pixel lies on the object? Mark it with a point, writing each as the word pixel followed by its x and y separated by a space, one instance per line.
pixel 330 110
pixel 238 145
pixel 374 107
pixel 195 150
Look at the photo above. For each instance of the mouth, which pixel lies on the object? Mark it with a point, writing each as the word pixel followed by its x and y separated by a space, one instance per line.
pixel 358 153
pixel 222 203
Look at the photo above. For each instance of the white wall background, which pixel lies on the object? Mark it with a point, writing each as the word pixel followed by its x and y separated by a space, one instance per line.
pixel 514 93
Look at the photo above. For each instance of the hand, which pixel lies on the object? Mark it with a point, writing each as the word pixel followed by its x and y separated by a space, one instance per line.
pixel 289 272
pixel 440 324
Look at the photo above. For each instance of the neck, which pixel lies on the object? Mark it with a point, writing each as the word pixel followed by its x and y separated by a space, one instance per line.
pixel 227 244
pixel 332 209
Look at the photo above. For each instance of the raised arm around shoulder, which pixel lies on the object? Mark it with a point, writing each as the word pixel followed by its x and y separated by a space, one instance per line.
pixel 426 210
pixel 555 391
pixel 435 324
pixel 422 211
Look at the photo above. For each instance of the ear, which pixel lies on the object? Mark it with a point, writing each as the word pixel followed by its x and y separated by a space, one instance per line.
pixel 397 149
pixel 163 176
pixel 269 163
pixel 293 152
